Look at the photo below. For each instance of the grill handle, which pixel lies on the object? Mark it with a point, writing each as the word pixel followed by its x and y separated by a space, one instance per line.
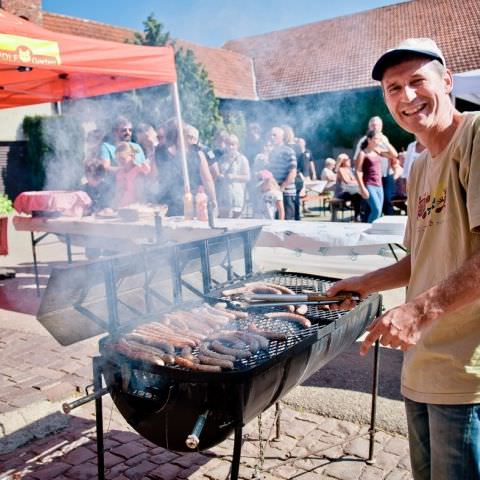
pixel 305 297
pixel 193 439
pixel 67 407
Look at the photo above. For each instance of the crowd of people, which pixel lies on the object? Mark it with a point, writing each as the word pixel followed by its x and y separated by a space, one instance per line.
pixel 265 178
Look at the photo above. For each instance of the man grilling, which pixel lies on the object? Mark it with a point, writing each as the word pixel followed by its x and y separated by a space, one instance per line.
pixel 438 327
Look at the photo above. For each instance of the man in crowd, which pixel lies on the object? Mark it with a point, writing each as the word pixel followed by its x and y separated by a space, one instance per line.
pixel 283 165
pixel 438 327
pixel 121 132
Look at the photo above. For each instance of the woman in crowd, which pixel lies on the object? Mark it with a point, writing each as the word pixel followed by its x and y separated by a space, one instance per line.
pixel 234 174
pixel 168 163
pixel 368 170
pixel 347 187
pixel 328 174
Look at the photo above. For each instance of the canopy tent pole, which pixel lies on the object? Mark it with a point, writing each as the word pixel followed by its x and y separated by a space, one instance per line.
pixel 181 138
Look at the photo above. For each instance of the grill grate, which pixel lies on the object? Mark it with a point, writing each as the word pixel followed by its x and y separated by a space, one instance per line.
pixel 319 317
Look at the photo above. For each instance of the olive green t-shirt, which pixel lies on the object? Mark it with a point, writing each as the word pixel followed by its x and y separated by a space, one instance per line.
pixel 443 232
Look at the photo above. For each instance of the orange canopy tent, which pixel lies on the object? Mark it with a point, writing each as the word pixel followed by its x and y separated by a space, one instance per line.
pixel 40 66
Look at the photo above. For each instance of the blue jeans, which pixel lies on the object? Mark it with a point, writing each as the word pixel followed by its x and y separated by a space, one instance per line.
pixel 444 441
pixel 375 202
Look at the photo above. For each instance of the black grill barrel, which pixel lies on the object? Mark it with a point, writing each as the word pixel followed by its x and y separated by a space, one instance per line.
pixel 194 438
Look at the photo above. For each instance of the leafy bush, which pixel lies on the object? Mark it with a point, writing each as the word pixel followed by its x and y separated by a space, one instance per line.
pixel 6 206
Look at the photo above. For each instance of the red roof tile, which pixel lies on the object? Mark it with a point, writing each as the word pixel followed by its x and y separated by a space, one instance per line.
pixel 338 54
pixel 86 28
pixel 230 72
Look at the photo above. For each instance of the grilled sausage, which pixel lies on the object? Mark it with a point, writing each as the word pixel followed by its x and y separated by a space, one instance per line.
pixel 168 358
pixel 236 352
pixel 206 351
pixel 293 317
pixel 302 309
pixel 137 354
pixel 205 360
pixel 219 311
pixel 188 355
pixel 281 288
pixel 252 342
pixel 279 336
pixel 262 341
pixel 183 362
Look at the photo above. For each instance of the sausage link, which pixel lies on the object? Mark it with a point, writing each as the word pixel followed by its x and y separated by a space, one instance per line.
pixel 206 351
pixel 205 360
pixel 293 317
pixel 236 352
pixel 279 336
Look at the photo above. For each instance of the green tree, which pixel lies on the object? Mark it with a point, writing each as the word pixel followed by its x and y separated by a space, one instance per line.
pixel 199 105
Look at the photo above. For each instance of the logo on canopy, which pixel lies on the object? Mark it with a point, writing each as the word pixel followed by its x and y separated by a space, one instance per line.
pixel 31 51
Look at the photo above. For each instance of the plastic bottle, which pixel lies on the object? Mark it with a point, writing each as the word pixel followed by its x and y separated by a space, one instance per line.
pixel 201 201
pixel 188 206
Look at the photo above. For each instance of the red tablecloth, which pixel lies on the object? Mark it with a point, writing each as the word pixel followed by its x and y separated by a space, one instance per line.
pixel 68 203
pixel 3 236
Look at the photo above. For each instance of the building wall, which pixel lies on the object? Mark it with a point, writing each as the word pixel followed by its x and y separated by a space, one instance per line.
pixel 11 120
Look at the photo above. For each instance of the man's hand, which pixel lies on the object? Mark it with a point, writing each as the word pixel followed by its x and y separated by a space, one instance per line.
pixel 400 327
pixel 351 284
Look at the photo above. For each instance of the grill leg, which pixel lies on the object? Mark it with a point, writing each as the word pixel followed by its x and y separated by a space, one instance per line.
pixel 237 451
pixel 97 383
pixel 373 414
pixel 278 414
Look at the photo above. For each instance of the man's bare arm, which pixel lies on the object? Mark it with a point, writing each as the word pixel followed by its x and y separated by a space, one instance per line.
pixel 402 326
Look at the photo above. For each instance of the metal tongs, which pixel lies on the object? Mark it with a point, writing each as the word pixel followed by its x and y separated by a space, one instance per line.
pixel 278 300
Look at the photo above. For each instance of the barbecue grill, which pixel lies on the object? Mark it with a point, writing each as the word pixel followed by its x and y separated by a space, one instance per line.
pixel 171 406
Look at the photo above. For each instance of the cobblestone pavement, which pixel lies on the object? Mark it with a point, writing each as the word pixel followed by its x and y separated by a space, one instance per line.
pixel 310 447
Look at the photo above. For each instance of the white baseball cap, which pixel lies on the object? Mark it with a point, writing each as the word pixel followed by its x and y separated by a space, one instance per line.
pixel 424 47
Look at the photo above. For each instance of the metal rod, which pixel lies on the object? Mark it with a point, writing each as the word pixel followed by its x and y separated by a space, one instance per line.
pixel 67 407
pixel 35 266
pixel 68 242
pixel 373 413
pixel 278 414
pixel 181 138
pixel 193 439
pixel 97 385
pixel 237 451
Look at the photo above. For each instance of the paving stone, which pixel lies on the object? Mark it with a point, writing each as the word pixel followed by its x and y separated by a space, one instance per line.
pixel 139 471
pixel 286 471
pixel 137 459
pixel 116 470
pixel 51 471
pixel 189 459
pixel 345 469
pixel 166 472
pixel 86 471
pixel 397 446
pixel 357 447
pixel 164 457
pixel 218 470
pixel 404 462
pixel 78 456
pixel 372 473
pixel 111 460
pixel 386 461
pixel 129 450
pixel 398 474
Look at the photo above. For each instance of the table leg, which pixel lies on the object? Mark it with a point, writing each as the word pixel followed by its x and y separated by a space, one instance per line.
pixel 35 266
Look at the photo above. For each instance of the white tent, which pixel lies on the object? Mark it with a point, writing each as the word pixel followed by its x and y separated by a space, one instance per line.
pixel 466 86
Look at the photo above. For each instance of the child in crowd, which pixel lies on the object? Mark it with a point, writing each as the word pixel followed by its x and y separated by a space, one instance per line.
pixel 97 188
pixel 271 197
pixel 129 181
